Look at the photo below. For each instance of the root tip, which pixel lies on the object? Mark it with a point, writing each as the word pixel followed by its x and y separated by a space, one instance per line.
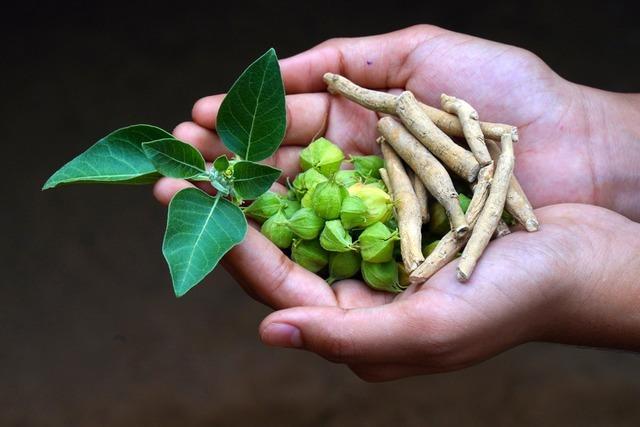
pixel 461 275
pixel 461 231
pixel 532 225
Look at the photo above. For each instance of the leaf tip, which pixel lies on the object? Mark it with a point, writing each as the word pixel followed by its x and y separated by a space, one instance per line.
pixel 49 184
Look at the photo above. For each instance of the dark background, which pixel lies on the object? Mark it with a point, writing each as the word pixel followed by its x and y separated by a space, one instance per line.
pixel 90 333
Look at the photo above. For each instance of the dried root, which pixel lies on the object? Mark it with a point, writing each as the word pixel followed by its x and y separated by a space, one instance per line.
pixel 459 160
pixel 421 194
pixel 470 126
pixel 491 213
pixel 386 103
pixel 407 209
pixel 385 177
pixel 502 229
pixel 517 203
pixel 446 250
pixel 434 176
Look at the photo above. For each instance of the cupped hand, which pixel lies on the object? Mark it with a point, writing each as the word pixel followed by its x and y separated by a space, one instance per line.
pixel 522 283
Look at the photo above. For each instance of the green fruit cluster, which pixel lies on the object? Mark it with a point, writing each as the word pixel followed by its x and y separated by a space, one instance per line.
pixel 335 222
pixel 339 222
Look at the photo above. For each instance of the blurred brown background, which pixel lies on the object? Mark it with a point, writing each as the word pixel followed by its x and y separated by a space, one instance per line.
pixel 90 333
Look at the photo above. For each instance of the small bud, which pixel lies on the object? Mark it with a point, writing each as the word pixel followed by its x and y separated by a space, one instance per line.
pixel 353 212
pixel 276 230
pixel 309 254
pixel 335 238
pixel 376 243
pixel 427 249
pixel 264 207
pixel 367 166
pixel 307 199
pixel 327 199
pixel 347 177
pixel 378 202
pixel 343 265
pixel 306 224
pixel 322 155
pixel 381 276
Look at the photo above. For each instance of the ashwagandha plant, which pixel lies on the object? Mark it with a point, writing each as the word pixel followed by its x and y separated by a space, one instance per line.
pixel 251 123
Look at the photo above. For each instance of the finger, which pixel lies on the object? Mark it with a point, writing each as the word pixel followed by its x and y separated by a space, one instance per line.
pixel 259 266
pixel 375 373
pixel 208 143
pixel 379 61
pixel 356 294
pixel 166 188
pixel 306 115
pixel 383 334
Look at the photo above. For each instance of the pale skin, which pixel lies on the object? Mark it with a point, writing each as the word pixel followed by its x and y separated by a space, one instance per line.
pixel 574 281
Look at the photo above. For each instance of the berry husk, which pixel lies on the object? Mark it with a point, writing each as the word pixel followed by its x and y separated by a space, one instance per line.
pixel 347 177
pixel 376 243
pixel 464 202
pixel 264 207
pixel 290 207
pixel 322 155
pixel 306 181
pixel 381 276
pixel 306 224
pixel 309 254
pixel 327 199
pixel 378 202
pixel 335 238
pixel 343 265
pixel 427 249
pixel 367 166
pixel 276 230
pixel 353 213
pixel 439 221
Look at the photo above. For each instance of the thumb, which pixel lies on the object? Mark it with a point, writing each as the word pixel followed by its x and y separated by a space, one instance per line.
pixel 382 334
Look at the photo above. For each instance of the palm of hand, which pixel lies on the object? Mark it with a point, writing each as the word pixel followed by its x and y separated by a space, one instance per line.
pixel 443 324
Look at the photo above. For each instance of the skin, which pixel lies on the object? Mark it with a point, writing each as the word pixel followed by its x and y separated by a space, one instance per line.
pixel 574 281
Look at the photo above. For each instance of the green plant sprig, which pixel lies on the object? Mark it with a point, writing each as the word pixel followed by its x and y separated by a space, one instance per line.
pixel 200 228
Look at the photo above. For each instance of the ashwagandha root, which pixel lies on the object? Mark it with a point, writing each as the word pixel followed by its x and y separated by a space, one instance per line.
pixel 491 213
pixel 470 126
pixel 459 160
pixel 449 246
pixel 517 203
pixel 385 178
pixel 502 229
pixel 421 194
pixel 407 208
pixel 386 103
pixel 434 176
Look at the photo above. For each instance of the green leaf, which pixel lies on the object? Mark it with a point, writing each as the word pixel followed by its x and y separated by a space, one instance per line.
pixel 221 163
pixel 115 159
pixel 251 180
pixel 174 158
pixel 200 230
pixel 251 121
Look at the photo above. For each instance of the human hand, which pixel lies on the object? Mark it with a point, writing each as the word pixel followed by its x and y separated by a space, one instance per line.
pixel 564 154
pixel 559 160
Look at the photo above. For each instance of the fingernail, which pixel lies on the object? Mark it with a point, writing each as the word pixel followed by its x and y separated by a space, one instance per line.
pixel 282 335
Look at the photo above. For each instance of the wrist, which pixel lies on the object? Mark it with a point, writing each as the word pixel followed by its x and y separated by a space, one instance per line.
pixel 601 292
pixel 612 127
